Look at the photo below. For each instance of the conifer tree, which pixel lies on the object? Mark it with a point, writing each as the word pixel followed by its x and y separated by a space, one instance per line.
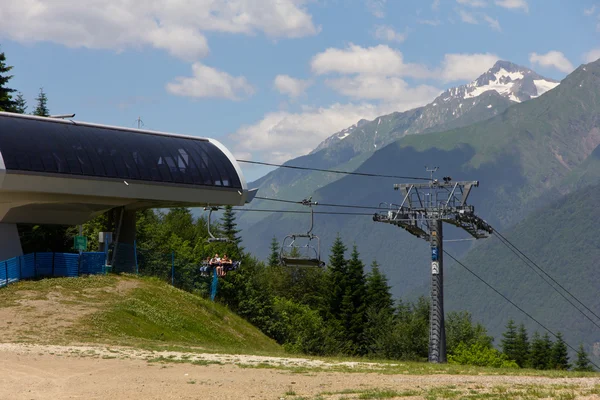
pixel 509 341
pixel 6 101
pixel 559 356
pixel 353 303
pixel 274 256
pixel 20 104
pixel 583 362
pixel 337 277
pixel 378 291
pixel 522 347
pixel 537 354
pixel 42 105
pixel 229 224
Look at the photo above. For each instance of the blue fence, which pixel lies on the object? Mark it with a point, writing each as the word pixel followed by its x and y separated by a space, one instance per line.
pixel 40 265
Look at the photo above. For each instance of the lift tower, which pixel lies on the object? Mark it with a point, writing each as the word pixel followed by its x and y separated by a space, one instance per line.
pixel 425 206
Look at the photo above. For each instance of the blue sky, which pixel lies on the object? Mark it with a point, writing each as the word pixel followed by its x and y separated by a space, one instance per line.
pixel 272 78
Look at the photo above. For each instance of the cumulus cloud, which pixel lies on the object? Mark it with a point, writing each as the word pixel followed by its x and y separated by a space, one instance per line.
pixel 589 11
pixel 457 67
pixel 477 18
pixel 292 87
pixel 391 89
pixel 376 7
pixel 280 136
pixel 210 82
pixel 435 6
pixel 552 59
pixel 467 17
pixel 174 26
pixel 492 22
pixel 384 32
pixel 513 4
pixel 377 60
pixel 591 55
pixel 472 3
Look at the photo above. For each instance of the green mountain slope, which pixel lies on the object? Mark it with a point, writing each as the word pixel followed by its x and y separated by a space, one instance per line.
pixel 123 310
pixel 518 156
pixel 562 239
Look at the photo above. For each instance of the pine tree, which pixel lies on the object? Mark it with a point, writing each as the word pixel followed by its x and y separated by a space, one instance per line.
pixel 537 354
pixel 337 277
pixel 6 101
pixel 378 291
pixel 42 105
pixel 583 362
pixel 522 347
pixel 559 356
pixel 274 256
pixel 509 341
pixel 353 303
pixel 20 104
pixel 229 225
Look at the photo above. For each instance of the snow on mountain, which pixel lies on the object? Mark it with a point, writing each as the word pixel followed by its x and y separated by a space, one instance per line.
pixel 499 87
pixel 512 81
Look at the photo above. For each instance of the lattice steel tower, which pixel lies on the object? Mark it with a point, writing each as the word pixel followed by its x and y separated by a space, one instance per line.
pixel 424 208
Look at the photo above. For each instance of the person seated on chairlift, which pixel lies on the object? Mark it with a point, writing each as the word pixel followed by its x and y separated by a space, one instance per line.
pixel 226 264
pixel 216 263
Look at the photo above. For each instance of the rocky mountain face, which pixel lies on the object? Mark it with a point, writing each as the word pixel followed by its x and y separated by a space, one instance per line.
pixel 345 150
pixel 490 94
pixel 521 157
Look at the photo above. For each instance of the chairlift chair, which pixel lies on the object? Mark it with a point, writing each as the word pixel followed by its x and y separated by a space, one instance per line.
pixel 311 257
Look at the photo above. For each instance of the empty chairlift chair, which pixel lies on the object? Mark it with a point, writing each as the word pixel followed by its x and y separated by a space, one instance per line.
pixel 302 249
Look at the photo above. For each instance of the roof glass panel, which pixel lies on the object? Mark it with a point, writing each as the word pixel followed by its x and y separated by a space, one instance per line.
pixel 71 149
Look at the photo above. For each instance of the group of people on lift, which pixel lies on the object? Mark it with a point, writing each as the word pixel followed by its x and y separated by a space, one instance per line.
pixel 222 264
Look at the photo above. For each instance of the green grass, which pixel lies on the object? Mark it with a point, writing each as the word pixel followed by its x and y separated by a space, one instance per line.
pixel 139 312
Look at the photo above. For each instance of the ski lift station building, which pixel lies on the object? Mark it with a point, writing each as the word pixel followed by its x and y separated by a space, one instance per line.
pixel 55 171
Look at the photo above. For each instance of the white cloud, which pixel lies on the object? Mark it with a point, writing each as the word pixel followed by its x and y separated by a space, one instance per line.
pixel 589 11
pixel 435 6
pixel 513 4
pixel 477 18
pixel 210 82
pixel 554 59
pixel 280 136
pixel 591 55
pixel 466 66
pixel 472 3
pixel 468 17
pixel 377 7
pixel 391 89
pixel 493 23
pixel 292 87
pixel 175 26
pixel 384 32
pixel 432 22
pixel 377 60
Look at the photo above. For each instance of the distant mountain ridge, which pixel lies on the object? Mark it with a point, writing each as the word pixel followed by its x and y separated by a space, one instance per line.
pixel 519 156
pixel 347 149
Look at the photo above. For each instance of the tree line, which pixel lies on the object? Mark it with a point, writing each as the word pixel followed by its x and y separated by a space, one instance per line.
pixel 337 310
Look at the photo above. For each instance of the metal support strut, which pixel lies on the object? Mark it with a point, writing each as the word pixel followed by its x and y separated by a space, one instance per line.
pixel 425 207
pixel 437 330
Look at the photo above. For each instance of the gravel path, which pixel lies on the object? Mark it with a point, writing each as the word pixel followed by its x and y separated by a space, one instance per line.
pixel 31 371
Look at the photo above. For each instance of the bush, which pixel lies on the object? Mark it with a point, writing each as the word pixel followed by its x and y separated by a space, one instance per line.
pixel 480 355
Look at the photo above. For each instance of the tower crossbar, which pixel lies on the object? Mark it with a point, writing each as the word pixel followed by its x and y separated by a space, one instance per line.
pixel 424 209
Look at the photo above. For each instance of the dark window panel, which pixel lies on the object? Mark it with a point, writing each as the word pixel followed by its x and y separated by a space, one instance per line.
pixel 43 146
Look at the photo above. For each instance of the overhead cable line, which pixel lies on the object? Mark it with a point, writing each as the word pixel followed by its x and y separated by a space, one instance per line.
pixel 304 212
pixel 322 204
pixel 523 257
pixel 508 300
pixel 333 171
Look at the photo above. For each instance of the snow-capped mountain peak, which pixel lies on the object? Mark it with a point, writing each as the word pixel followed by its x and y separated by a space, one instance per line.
pixel 512 81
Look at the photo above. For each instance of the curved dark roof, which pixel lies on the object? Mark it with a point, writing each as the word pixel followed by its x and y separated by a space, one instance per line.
pixel 58 147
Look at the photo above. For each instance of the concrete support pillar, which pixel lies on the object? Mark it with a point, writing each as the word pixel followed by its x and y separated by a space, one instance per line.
pixel 10 243
pixel 124 257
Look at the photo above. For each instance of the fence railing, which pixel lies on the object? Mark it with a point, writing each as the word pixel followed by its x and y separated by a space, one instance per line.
pixel 48 264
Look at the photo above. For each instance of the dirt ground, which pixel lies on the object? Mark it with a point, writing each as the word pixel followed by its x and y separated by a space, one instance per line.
pixel 83 372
